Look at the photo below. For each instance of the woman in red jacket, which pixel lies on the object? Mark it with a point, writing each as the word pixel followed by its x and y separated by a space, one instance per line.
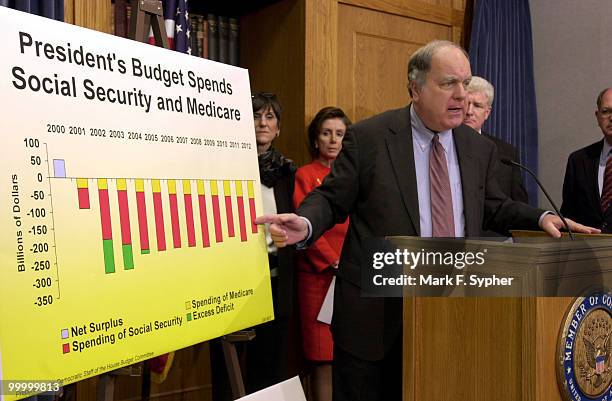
pixel 316 264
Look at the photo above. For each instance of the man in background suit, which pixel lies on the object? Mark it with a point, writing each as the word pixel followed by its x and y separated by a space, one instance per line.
pixel 587 187
pixel 412 171
pixel 480 101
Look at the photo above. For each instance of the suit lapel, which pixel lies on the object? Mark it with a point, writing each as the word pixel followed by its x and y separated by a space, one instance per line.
pixel 591 170
pixel 399 145
pixel 468 168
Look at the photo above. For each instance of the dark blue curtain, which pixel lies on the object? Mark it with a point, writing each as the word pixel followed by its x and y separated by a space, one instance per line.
pixel 46 8
pixel 501 51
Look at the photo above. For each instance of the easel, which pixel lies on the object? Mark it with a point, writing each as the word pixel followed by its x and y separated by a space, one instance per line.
pixel 145 13
pixel 232 361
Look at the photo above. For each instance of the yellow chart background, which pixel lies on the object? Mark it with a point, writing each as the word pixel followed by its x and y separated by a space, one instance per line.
pixel 162 284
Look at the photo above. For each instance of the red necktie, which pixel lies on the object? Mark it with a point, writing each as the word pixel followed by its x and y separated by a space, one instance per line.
pixel 606 190
pixel 442 221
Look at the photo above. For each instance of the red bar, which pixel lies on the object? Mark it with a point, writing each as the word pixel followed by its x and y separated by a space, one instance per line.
pixel 217 218
pixel 241 219
pixel 174 218
pixel 252 212
pixel 124 217
pixel 159 221
pixel 83 198
pixel 105 217
pixel 190 225
pixel 204 221
pixel 143 226
pixel 230 216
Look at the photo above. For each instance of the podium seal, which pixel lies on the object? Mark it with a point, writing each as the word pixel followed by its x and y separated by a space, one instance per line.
pixel 584 349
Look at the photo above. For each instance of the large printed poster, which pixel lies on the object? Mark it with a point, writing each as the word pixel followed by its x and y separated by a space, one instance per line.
pixel 129 184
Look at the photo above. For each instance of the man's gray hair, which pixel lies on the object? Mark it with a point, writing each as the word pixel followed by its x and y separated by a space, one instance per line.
pixel 600 98
pixel 420 61
pixel 479 84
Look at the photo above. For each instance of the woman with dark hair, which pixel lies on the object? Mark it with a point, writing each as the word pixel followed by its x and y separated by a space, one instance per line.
pixel 271 356
pixel 316 265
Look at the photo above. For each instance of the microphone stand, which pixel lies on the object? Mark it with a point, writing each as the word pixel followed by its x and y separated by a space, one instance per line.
pixel 509 162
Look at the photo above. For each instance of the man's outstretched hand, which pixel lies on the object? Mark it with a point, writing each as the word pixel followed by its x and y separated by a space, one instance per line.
pixel 552 224
pixel 285 229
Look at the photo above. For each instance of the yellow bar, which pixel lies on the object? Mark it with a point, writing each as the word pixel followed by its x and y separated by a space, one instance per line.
pixel 156 185
pixel 238 188
pixel 172 187
pixel 186 187
pixel 121 184
pixel 250 189
pixel 102 183
pixel 213 188
pixel 82 183
pixel 139 185
pixel 226 188
pixel 201 187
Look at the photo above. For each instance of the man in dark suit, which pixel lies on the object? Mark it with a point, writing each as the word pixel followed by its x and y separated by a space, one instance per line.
pixel 584 186
pixel 480 101
pixel 383 179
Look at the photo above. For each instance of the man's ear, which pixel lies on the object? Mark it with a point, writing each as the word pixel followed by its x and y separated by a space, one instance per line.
pixel 488 113
pixel 414 90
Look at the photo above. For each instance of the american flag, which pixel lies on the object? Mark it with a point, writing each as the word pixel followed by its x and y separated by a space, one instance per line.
pixel 176 17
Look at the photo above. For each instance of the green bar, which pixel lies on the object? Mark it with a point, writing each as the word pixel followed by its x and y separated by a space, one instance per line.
pixel 109 256
pixel 145 251
pixel 128 257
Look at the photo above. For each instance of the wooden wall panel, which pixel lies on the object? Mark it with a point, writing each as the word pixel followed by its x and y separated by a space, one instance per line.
pixel 424 11
pixel 547 334
pixel 459 4
pixel 92 14
pixel 322 55
pixel 373 51
pixel 468 335
pixel 272 48
pixel 69 11
pixel 189 379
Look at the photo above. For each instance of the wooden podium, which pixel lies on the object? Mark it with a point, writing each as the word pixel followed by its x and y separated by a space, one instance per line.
pixel 483 348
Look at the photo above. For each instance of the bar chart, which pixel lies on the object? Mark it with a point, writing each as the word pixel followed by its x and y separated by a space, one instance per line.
pixel 183 213
pixel 127 232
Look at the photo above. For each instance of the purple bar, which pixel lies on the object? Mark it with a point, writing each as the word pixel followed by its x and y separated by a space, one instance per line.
pixel 59 168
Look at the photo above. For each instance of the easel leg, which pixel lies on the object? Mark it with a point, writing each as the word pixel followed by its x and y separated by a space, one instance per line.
pixel 233 368
pixel 105 388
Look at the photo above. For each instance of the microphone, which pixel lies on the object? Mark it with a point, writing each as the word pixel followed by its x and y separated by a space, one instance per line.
pixel 509 162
